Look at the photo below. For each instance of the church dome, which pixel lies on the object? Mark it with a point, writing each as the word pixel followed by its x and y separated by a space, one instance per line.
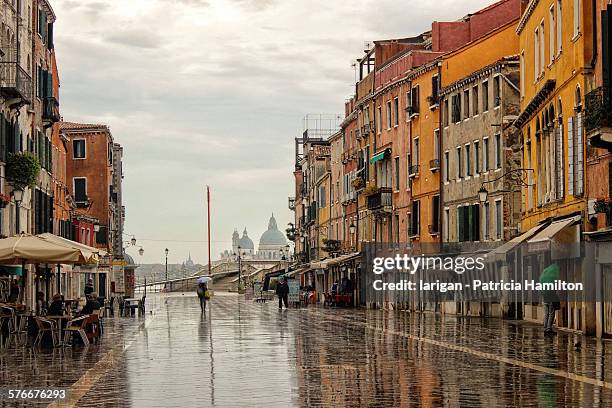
pixel 246 242
pixel 272 237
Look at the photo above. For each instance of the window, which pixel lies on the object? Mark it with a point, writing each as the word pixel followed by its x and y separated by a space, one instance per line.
pixel 498 151
pixel 536 54
pixel 80 189
pixel 78 149
pixel 389 115
pixel 468 160
pixel 396 111
pixel 476 157
pixel 437 145
pixel 459 164
pixel 435 214
pixel 487 221
pixel 446 222
pixel 542 58
pixel 322 197
pixel 499 225
pixel 485 154
pixel 379 127
pixel 485 96
pixel 522 74
pixel 551 34
pixel 415 153
pixel 468 222
pixel 456 114
pixel 529 173
pixel 445 113
pixel 409 163
pixel 466 104
pixel 414 219
pixel 397 173
pixel 496 91
pixel 559 26
pixel 576 18
pixel 414 97
pixel 435 84
pixel 475 100
pixel 446 167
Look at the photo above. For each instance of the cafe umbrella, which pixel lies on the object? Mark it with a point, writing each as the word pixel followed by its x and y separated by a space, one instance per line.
pixel 28 249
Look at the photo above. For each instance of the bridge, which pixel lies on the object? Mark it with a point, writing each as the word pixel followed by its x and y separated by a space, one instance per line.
pixel 224 276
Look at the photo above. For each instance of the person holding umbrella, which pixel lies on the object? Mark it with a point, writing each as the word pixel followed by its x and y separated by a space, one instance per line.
pixel 203 293
pixel 550 297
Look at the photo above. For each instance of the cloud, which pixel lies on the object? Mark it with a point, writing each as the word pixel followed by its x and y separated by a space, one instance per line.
pixel 213 92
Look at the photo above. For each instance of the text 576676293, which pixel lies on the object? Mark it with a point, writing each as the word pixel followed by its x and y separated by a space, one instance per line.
pixel 32 394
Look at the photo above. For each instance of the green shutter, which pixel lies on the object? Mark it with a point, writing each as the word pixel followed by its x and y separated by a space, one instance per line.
pixel 49 84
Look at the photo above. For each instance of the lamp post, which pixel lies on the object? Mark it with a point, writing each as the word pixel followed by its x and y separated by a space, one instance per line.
pixel 352 230
pixel 239 267
pixel 166 252
pixel 18 196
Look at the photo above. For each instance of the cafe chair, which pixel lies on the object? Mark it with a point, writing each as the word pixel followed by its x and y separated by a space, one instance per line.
pixel 46 326
pixel 76 326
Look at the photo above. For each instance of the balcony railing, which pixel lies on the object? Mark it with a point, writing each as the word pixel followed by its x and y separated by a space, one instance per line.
pixel 598 109
pixel 15 81
pixel 51 109
pixel 380 199
pixel 413 170
pixel 434 164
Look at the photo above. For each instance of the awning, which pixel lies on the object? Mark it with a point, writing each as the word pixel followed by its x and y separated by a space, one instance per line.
pixel 90 254
pixel 499 253
pixel 542 240
pixel 381 155
pixel 320 265
pixel 33 249
pixel 344 258
pixel 297 272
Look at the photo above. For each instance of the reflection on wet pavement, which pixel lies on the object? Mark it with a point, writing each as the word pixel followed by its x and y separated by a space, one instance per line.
pixel 242 353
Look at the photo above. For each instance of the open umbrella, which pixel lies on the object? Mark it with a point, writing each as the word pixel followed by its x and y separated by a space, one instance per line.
pixel 90 254
pixel 31 250
pixel 204 279
pixel 550 274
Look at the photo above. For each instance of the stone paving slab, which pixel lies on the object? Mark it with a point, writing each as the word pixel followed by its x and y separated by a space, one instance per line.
pixel 242 353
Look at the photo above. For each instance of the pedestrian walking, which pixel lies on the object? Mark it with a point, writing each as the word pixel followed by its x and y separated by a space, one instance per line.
pixel 203 295
pixel 550 298
pixel 282 291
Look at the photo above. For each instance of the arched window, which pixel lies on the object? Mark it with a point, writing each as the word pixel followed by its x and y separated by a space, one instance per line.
pixel 578 101
pixel 560 111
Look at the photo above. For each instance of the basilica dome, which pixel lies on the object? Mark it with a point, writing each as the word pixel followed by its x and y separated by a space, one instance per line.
pixel 272 237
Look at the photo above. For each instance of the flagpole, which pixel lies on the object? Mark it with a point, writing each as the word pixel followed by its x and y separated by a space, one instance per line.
pixel 208 200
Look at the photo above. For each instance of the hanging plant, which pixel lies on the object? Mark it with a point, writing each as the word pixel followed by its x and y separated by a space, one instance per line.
pixel 371 188
pixel 22 169
pixel 602 205
pixel 5 199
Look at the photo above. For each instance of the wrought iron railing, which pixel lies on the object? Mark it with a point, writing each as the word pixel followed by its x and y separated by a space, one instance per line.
pixel 380 199
pixel 15 81
pixel 598 108
pixel 413 170
pixel 51 110
pixel 434 164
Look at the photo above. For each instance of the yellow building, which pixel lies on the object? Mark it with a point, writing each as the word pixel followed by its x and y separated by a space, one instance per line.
pixel 555 51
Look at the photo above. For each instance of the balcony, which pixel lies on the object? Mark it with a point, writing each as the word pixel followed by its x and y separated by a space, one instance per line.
pixel 412 111
pixel 51 111
pixel 413 170
pixel 434 164
pixel 380 200
pixel 598 117
pixel 15 83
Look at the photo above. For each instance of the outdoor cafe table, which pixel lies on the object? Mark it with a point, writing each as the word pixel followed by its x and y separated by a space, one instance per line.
pixel 59 319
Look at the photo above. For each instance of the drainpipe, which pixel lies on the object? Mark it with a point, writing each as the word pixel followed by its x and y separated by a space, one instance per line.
pixel 594 19
pixel 440 150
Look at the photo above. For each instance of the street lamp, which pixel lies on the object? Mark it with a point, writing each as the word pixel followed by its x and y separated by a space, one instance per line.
pixel 18 196
pixel 166 251
pixel 140 251
pixel 482 194
pixel 352 230
pixel 133 241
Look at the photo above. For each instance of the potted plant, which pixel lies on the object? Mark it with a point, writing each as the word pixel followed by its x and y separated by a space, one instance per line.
pixel 5 199
pixel 602 205
pixel 358 183
pixel 22 169
pixel 370 189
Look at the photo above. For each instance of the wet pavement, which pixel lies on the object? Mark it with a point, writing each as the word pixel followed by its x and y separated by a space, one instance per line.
pixel 242 353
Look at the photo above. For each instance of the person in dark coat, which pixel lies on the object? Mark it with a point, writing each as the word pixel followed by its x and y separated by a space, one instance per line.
pixel 56 308
pixel 202 289
pixel 89 288
pixel 282 291
pixel 91 305
pixel 14 291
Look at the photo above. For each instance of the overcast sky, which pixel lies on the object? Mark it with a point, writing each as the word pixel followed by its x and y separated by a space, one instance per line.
pixel 213 92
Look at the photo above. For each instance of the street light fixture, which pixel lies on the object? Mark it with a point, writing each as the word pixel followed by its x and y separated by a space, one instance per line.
pixel 141 251
pixel 133 241
pixel 516 176
pixel 352 228
pixel 166 251
pixel 18 196
pixel 482 194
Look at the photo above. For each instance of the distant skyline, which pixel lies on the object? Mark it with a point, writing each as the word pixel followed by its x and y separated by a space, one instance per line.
pixel 207 92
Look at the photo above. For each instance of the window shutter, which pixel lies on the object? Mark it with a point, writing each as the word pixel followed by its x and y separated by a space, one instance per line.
pixel 49 92
pixel 570 156
pixel 578 150
pixel 50 36
pixel 16 138
pixel 475 222
pixel 559 158
pixel 2 139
